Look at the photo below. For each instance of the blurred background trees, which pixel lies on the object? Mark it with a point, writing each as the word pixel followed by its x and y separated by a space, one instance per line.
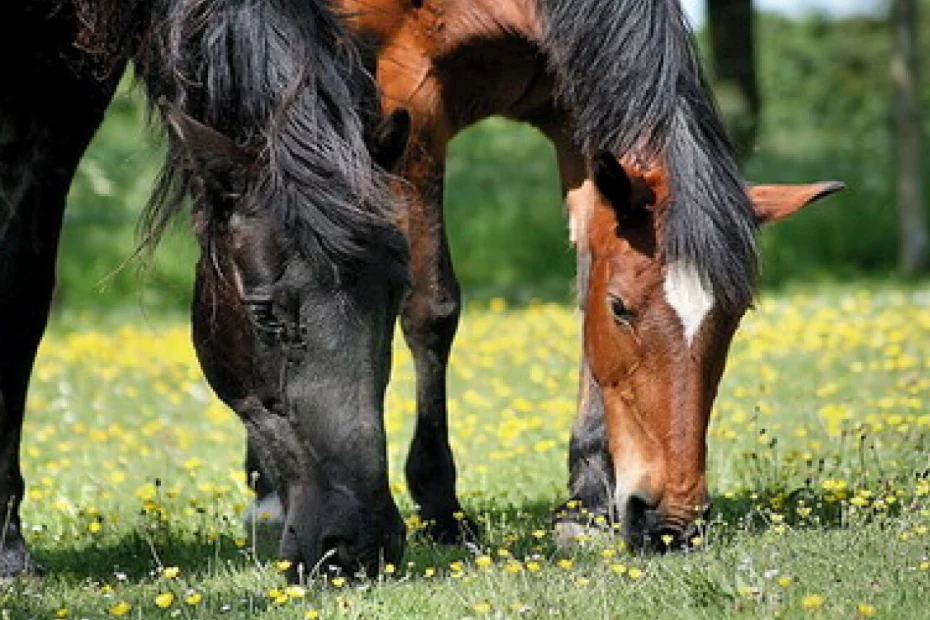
pixel 908 138
pixel 730 24
pixel 820 101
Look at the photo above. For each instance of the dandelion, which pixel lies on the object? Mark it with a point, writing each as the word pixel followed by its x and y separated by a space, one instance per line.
pixel 283 565
pixel 193 598
pixel 483 561
pixel 312 614
pixel 338 582
pixel 120 609
pixel 865 610
pixel 812 601
pixel 297 592
pixel 171 572
pixel 565 564
pixel 533 566
pixel 482 609
pixel 634 573
pixel 62 613
pixel 164 600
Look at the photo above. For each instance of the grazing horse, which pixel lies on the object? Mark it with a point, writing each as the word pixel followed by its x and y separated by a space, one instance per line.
pixel 663 225
pixel 275 135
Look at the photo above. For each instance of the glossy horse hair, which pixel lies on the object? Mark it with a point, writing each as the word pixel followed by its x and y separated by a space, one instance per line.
pixel 629 74
pixel 284 80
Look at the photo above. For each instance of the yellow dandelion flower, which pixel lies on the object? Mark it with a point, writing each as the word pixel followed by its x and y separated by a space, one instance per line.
pixel 784 581
pixel 483 561
pixel 171 572
pixel 865 610
pixel 164 600
pixel 296 591
pixel 812 601
pixel 338 582
pixel 282 565
pixel 62 613
pixel 389 569
pixel 634 573
pixel 312 614
pixel 482 609
pixel 120 609
pixel 193 598
pixel 94 527
pixel 533 566
pixel 429 572
pixel 565 564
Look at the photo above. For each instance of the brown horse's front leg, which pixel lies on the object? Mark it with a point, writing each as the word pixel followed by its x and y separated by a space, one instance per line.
pixel 429 318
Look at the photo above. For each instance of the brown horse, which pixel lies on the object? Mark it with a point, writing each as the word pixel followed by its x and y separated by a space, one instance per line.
pixel 663 226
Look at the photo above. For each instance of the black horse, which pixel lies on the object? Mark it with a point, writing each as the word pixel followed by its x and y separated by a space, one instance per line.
pixel 276 136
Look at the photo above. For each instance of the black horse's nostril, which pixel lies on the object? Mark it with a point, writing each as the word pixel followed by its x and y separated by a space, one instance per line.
pixel 337 556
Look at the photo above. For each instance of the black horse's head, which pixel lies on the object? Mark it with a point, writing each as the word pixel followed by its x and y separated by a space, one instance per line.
pixel 293 323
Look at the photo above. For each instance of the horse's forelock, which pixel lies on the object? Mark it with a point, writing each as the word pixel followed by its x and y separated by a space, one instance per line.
pixel 281 77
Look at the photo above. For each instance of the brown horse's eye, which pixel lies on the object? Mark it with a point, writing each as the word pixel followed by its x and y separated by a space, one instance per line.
pixel 621 313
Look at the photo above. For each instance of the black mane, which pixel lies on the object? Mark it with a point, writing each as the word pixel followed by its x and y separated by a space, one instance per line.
pixel 630 76
pixel 281 78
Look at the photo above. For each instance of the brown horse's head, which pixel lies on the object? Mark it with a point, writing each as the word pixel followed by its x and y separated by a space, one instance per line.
pixel 656 343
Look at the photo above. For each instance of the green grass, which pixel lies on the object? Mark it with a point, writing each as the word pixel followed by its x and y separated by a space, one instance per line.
pixel 818 461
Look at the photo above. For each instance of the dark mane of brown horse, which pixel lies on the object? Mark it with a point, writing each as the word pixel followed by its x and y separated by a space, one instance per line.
pixel 629 73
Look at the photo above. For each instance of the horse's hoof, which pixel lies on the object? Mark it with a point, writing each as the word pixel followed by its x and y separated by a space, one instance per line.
pixel 17 562
pixel 573 524
pixel 454 529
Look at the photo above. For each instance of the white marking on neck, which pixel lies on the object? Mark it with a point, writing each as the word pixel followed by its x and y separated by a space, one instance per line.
pixel 687 292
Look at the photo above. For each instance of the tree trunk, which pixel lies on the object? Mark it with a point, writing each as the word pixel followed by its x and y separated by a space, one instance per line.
pixel 731 32
pixel 908 136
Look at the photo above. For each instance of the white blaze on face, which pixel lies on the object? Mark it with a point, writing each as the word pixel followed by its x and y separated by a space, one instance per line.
pixel 689 295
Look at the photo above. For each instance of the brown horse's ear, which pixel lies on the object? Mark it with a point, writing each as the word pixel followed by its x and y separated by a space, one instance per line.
pixel 212 156
pixel 615 185
pixel 776 202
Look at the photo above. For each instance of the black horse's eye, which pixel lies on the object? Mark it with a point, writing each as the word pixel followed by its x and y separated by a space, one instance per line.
pixel 621 313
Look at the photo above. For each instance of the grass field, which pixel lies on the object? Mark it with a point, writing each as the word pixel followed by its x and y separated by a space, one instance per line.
pixel 819 463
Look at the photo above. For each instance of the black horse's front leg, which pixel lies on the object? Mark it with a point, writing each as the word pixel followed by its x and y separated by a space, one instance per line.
pixel 590 467
pixel 51 102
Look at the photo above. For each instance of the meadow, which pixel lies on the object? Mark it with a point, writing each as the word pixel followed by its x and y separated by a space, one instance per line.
pixel 819 462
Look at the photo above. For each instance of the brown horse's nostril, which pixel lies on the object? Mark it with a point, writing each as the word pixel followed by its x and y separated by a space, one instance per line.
pixel 637 517
pixel 647 527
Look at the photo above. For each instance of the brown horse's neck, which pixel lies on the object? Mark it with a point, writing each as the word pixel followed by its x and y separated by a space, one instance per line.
pixel 456 62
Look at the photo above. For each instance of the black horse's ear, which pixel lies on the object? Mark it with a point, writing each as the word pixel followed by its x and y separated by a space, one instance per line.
pixel 614 184
pixel 390 139
pixel 212 156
